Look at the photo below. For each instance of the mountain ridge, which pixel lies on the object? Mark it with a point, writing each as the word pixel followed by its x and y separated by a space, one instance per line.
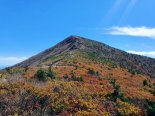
pixel 98 50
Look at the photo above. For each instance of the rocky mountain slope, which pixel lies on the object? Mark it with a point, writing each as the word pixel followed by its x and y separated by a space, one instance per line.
pixel 74 45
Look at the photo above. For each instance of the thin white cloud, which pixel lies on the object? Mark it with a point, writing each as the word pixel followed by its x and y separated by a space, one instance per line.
pixel 114 9
pixel 9 61
pixel 149 54
pixel 129 8
pixel 133 31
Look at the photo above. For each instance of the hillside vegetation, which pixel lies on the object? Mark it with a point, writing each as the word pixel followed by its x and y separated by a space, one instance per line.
pixel 79 77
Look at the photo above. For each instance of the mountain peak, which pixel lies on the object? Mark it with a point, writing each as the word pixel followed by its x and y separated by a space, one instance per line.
pixel 74 46
pixel 74 39
pixel 75 42
pixel 71 43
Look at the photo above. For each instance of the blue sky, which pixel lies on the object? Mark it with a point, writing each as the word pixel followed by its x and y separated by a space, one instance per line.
pixel 30 26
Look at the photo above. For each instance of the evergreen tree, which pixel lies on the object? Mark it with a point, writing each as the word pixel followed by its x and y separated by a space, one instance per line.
pixel 41 74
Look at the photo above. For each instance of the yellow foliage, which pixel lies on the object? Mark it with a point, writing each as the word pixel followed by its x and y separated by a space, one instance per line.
pixel 126 109
pixel 91 113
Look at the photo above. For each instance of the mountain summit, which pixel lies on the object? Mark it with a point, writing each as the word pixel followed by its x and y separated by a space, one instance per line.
pixel 69 44
pixel 75 46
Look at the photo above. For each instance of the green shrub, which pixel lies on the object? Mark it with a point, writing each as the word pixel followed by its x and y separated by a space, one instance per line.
pixel 81 79
pixel 145 83
pixel 117 93
pixel 132 71
pixel 26 68
pixel 153 90
pixel 75 78
pixel 91 72
pixel 150 108
pixel 51 74
pixel 66 76
pixel 57 109
pixel 41 75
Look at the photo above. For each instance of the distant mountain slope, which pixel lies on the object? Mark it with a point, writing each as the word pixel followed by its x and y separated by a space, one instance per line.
pixel 74 46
